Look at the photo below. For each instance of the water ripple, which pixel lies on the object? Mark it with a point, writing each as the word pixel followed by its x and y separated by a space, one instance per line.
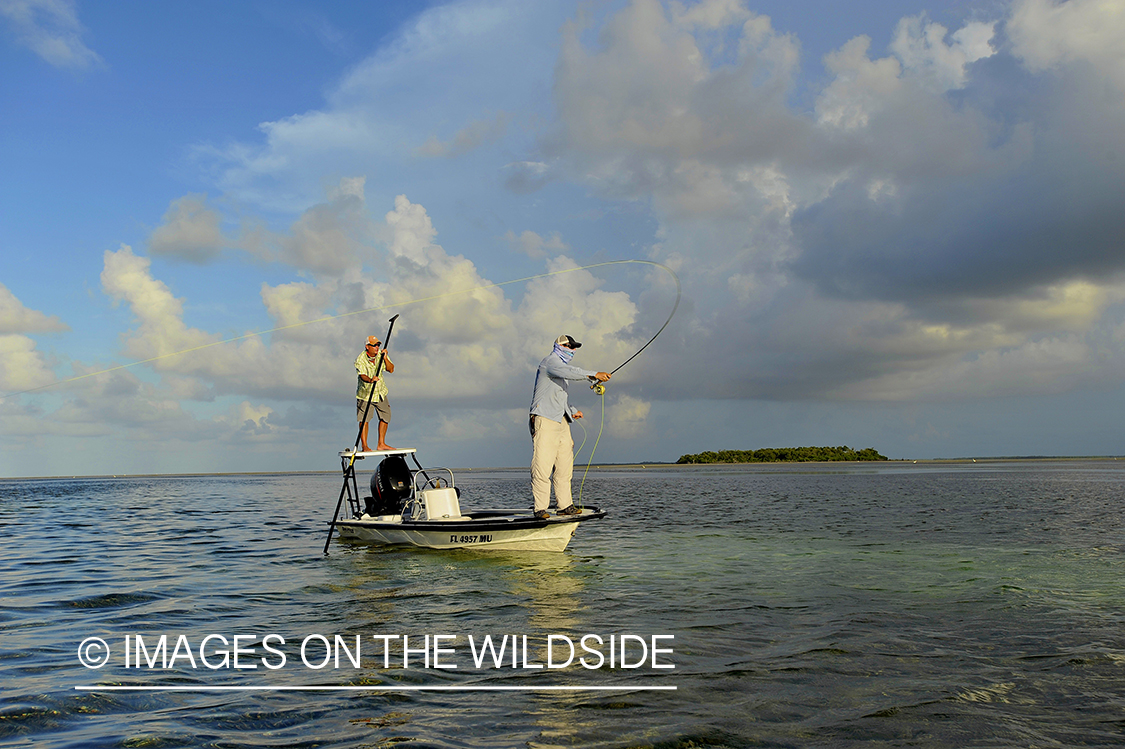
pixel 945 606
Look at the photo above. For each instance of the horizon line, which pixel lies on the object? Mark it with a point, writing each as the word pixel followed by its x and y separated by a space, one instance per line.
pixel 634 464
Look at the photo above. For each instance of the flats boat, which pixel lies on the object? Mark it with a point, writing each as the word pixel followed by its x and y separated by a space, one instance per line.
pixel 422 507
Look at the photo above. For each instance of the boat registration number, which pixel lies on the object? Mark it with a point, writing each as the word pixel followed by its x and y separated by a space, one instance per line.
pixel 481 539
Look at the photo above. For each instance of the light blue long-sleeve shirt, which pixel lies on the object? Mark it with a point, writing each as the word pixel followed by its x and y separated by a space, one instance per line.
pixel 550 397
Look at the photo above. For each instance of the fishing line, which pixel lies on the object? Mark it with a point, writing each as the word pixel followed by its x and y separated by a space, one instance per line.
pixel 599 387
pixel 662 327
pixel 582 485
pixel 579 450
pixel 329 318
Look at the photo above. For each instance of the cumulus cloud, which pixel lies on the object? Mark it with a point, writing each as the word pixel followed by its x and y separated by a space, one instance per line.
pixel 534 246
pixel 910 231
pixel 190 231
pixel 942 212
pixel 570 300
pixel 326 239
pixel 942 200
pixel 331 237
pixel 118 404
pixel 16 318
pixel 460 338
pixel 248 421
pixel 292 306
pixel 921 46
pixel 1046 33
pixel 236 366
pixel 22 366
pixel 627 417
pixel 467 338
pixel 51 29
pixel 650 111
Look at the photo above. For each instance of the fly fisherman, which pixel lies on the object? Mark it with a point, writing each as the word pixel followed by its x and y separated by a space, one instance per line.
pixel 551 414
pixel 365 366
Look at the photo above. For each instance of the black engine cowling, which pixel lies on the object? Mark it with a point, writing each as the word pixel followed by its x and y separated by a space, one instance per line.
pixel 390 486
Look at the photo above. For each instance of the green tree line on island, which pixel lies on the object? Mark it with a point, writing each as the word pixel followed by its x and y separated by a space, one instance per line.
pixel 783 455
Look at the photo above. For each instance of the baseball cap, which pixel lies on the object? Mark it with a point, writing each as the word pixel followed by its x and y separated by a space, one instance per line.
pixel 565 340
pixel 372 340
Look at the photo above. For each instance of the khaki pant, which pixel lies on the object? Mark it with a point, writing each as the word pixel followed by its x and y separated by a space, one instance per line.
pixel 552 449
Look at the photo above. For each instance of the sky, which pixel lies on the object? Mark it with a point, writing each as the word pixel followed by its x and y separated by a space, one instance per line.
pixel 895 224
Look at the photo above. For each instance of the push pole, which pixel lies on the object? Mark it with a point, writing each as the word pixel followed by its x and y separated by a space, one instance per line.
pixel 350 470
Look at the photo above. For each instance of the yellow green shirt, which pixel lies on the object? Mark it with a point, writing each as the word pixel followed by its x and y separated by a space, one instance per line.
pixel 366 366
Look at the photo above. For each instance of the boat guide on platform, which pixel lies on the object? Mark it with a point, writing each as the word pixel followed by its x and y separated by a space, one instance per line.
pixel 371 391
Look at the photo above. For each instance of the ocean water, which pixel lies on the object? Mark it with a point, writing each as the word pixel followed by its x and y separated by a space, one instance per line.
pixel 851 605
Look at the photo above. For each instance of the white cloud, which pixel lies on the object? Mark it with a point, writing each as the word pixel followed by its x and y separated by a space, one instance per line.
pixel 573 302
pixel 458 336
pixel 51 29
pixel 920 45
pixel 627 417
pixel 859 87
pixel 294 305
pixel 910 225
pixel 16 318
pixel 1046 33
pixel 21 366
pixel 902 88
pixel 246 366
pixel 190 231
pixel 247 420
pixel 534 246
pixel 119 406
pixel 413 232
pixel 818 249
pixel 330 238
pixel 649 110
pixel 126 277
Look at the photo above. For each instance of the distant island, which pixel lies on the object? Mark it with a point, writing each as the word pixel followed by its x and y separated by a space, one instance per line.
pixel 783 455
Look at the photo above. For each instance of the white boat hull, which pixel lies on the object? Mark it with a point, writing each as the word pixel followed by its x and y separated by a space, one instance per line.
pixel 489 530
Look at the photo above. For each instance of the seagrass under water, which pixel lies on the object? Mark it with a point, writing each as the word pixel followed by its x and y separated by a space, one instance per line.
pixel 829 605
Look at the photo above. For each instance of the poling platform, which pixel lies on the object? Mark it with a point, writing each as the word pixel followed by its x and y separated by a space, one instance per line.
pixel 377 453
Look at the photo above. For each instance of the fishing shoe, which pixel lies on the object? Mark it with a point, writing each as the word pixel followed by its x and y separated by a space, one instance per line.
pixel 542 515
pixel 569 510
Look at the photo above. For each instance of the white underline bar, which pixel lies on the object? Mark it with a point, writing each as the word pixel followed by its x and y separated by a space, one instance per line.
pixel 349 688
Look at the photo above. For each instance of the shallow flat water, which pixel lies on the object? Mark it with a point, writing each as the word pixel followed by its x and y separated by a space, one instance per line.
pixel 975 605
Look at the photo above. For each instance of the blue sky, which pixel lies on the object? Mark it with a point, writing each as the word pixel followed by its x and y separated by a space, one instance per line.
pixel 895 224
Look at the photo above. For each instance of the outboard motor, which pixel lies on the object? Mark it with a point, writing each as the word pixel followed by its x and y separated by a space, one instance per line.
pixel 390 486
